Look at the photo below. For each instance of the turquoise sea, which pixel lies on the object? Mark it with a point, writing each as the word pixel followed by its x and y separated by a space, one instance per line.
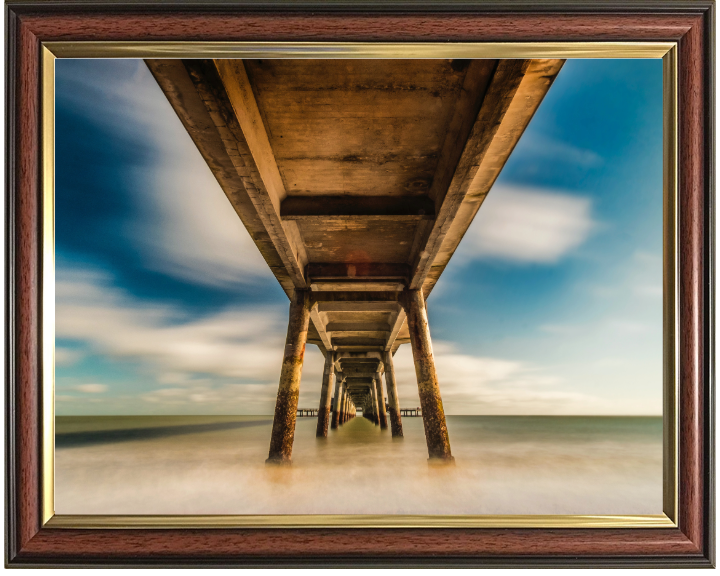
pixel 215 465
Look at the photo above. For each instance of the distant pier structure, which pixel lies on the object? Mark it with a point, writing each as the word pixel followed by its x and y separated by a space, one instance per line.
pixel 356 180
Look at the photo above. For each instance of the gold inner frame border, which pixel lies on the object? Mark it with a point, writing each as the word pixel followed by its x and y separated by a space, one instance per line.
pixel 667 51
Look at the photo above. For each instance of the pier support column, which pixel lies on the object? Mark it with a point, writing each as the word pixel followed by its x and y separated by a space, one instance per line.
pixel 393 402
pixel 376 409
pixel 382 414
pixel 436 434
pixel 341 417
pixel 336 403
pixel 326 396
pixel 283 430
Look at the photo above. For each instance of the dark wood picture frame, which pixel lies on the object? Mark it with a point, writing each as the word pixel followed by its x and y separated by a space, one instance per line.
pixel 689 23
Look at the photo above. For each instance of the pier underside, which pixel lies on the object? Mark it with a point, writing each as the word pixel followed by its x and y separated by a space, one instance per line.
pixel 356 179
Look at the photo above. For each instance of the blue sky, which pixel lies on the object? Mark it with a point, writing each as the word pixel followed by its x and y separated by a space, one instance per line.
pixel 551 305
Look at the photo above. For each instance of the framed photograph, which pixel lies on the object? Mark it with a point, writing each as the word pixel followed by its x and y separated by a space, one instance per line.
pixel 491 223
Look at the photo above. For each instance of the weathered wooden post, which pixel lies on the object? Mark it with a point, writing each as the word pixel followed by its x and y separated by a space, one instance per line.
pixel 325 395
pixel 336 403
pixel 393 402
pixel 375 408
pixel 343 394
pixel 343 412
pixel 283 430
pixel 436 434
pixel 382 414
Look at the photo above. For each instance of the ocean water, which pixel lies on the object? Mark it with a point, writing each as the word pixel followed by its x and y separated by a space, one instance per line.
pixel 215 465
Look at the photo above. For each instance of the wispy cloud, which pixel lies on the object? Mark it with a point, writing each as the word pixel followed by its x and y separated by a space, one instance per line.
pixel 558 151
pixel 230 360
pixel 481 385
pixel 233 358
pixel 66 356
pixel 185 226
pixel 90 388
pixel 235 343
pixel 528 225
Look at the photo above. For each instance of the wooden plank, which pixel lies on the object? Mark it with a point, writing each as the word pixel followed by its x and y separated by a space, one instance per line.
pixel 359 348
pixel 210 134
pixel 357 327
pixel 320 327
pixel 354 341
pixel 373 334
pixel 536 81
pixel 237 84
pixel 340 306
pixel 361 127
pixel 387 207
pixel 396 326
pixel 227 105
pixel 343 286
pixel 471 131
pixel 358 270
pixel 358 240
pixel 359 357
pixel 354 296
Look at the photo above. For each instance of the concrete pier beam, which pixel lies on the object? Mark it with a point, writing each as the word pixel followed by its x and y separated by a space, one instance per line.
pixel 326 396
pixel 336 403
pixel 283 430
pixel 382 414
pixel 393 402
pixel 436 434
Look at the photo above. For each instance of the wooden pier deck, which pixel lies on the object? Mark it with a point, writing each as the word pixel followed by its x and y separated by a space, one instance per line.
pixel 356 180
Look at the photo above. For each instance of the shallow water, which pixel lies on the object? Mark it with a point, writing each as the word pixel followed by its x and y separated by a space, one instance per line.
pixel 215 465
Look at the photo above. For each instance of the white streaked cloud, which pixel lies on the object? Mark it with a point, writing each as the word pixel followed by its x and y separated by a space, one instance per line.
pixel 230 361
pixel 67 356
pixel 528 225
pixel 90 388
pixel 481 385
pixel 185 226
pixel 556 150
pixel 235 343
pixel 227 361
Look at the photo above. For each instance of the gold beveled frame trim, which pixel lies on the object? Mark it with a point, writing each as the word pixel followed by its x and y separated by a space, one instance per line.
pixel 665 50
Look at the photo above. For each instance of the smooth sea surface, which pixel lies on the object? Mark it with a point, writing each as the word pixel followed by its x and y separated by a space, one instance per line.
pixel 216 465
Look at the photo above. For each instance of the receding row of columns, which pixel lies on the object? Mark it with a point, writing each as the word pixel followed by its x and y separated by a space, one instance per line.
pixel 373 405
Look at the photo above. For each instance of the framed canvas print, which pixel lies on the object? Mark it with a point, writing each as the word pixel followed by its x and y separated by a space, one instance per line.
pixel 402 285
